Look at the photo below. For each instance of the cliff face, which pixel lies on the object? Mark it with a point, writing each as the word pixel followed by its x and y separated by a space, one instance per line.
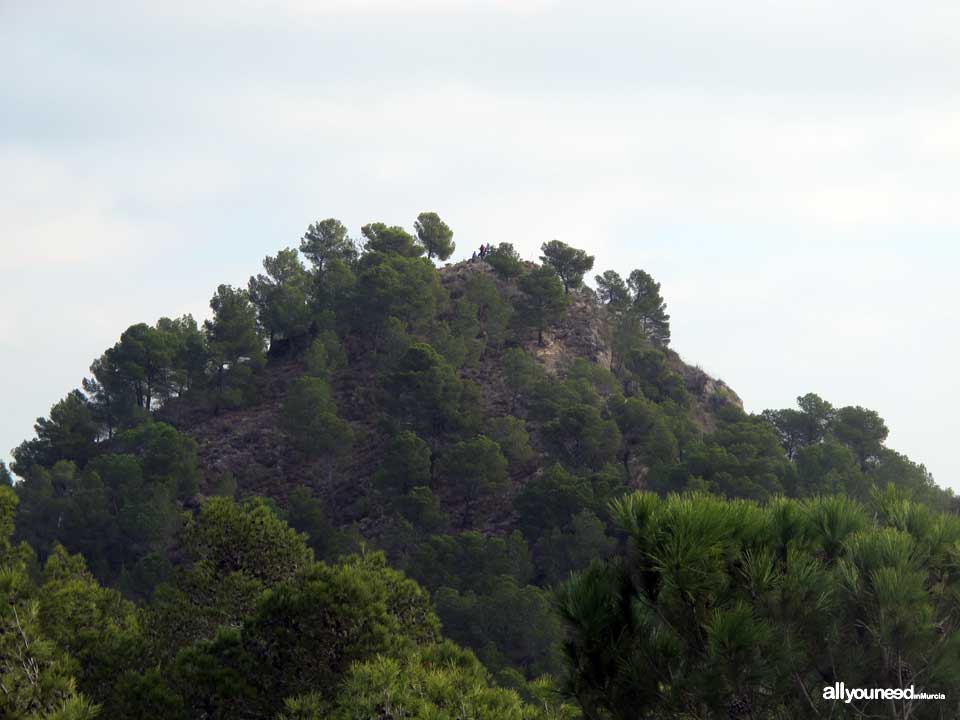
pixel 250 445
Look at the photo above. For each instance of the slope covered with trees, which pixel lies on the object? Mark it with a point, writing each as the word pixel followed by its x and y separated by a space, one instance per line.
pixel 448 443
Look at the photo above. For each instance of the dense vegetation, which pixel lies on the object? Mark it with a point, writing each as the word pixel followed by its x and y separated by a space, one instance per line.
pixel 730 607
pixel 442 448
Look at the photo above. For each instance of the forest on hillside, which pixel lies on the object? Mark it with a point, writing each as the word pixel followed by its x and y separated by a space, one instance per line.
pixel 369 487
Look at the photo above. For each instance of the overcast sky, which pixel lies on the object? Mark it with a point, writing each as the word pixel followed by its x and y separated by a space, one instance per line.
pixel 789 171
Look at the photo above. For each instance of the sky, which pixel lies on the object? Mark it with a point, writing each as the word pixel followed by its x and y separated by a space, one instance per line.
pixel 787 170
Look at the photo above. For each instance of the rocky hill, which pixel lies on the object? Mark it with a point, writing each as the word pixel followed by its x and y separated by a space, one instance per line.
pixel 250 445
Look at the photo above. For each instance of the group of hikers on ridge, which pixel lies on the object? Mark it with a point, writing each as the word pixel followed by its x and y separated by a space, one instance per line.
pixel 484 251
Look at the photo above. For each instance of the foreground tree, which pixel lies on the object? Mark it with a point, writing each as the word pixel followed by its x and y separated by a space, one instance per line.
pixel 37 680
pixel 442 681
pixel 732 609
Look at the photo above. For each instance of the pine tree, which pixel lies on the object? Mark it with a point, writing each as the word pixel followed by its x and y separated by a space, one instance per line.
pixel 435 236
pixel 648 306
pixel 613 291
pixel 569 263
pixel 234 341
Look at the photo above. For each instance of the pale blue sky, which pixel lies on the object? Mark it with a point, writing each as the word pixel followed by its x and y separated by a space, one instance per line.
pixel 787 170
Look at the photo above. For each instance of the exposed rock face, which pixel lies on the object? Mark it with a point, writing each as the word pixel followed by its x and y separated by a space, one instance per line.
pixel 710 394
pixel 583 332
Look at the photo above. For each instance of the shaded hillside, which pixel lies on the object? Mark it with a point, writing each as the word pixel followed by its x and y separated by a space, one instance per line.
pixel 249 443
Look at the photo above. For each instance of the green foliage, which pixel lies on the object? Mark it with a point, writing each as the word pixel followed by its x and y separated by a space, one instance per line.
pixel 37 673
pixel 310 418
pixel 390 240
pixel 469 561
pixel 544 299
pixel 143 357
pixel 471 471
pixel 422 509
pixel 396 285
pixel 434 235
pixel 326 355
pixel 581 438
pixel 511 435
pixel 424 391
pixel 230 554
pixel 493 310
pixel 459 338
pixel 648 308
pixel 652 377
pixel 325 242
pixel 167 457
pixel 236 347
pixel 569 263
pixel 560 551
pixel 120 511
pixel 507 624
pixel 247 538
pixel 612 290
pixel 550 500
pixel 303 637
pixel 521 373
pixel 505 261
pixel 829 468
pixel 309 515
pixel 304 707
pixel 68 434
pixel 95 625
pixel 604 383
pixel 162 363
pixel 647 437
pixel 742 459
pixel 441 682
pixel 280 296
pixel 892 468
pixel 189 355
pixel 144 696
pixel 862 430
pixel 799 428
pixel 406 464
pixel 333 257
pixel 729 604
pixel 332 254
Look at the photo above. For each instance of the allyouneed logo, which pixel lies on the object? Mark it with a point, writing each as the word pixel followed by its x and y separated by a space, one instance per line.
pixel 839 691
